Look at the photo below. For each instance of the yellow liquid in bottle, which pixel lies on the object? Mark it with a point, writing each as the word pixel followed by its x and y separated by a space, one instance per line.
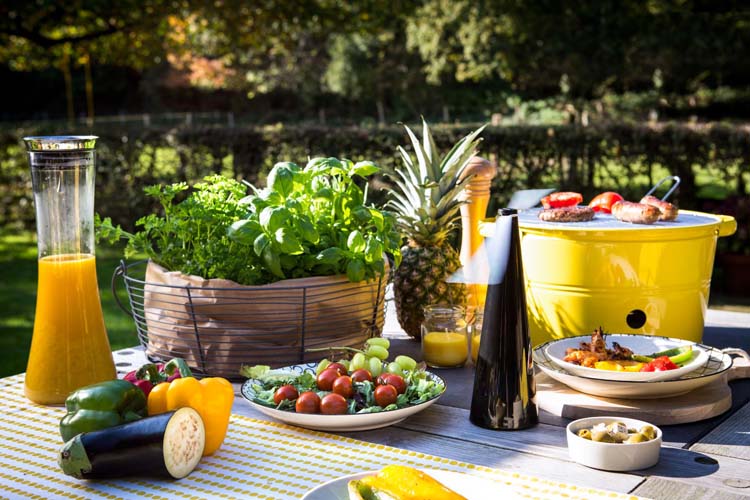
pixel 70 348
pixel 475 339
pixel 444 349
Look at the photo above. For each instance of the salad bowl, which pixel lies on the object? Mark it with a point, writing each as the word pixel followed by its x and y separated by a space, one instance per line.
pixel 337 423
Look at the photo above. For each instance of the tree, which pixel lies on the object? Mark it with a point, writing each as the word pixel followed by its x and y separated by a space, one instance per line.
pixel 37 35
pixel 593 45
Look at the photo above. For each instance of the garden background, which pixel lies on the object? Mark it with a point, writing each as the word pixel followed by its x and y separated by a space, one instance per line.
pixel 591 96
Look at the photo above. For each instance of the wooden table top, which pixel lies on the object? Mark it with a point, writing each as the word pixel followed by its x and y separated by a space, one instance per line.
pixel 706 459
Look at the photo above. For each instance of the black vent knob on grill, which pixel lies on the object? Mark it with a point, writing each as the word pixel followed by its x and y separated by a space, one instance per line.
pixel 636 318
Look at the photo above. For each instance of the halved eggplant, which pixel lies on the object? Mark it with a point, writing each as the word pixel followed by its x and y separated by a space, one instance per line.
pixel 170 444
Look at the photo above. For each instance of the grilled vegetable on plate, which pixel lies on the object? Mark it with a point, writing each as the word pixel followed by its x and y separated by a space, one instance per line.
pixel 591 357
pixel 397 482
pixel 434 484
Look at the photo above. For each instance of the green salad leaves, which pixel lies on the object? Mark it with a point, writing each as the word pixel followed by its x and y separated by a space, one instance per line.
pixel 420 388
pixel 311 221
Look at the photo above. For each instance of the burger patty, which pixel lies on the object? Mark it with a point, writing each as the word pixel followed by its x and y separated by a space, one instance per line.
pixel 567 214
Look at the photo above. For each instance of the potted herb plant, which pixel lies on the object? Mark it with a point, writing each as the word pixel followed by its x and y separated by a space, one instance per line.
pixel 239 278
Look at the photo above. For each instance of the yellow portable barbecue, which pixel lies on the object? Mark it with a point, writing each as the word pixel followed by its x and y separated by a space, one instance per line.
pixel 627 278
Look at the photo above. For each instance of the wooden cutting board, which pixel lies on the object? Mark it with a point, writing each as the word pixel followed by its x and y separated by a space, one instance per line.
pixel 705 402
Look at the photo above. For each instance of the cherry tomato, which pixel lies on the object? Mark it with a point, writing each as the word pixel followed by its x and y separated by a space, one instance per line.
pixel 343 386
pixel 562 199
pixel 603 202
pixel 361 375
pixel 308 402
pixel 385 395
pixel 326 378
pixel 659 364
pixel 397 381
pixel 338 367
pixel 285 392
pixel 381 380
pixel 333 404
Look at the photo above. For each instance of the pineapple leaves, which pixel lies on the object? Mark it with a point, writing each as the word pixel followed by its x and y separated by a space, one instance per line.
pixel 430 151
pixel 424 170
pixel 428 191
pixel 458 157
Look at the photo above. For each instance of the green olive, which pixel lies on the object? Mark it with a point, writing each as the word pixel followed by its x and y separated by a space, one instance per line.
pixel 618 431
pixel 636 438
pixel 584 433
pixel 648 431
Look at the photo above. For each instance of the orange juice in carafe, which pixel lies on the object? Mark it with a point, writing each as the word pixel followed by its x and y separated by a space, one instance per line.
pixel 69 346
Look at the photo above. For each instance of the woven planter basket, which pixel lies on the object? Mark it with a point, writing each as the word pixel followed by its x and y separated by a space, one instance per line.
pixel 218 325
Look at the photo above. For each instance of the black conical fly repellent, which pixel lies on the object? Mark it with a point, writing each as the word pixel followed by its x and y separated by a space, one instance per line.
pixel 504 395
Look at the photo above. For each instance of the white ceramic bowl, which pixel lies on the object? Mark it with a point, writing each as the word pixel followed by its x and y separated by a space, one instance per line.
pixel 612 456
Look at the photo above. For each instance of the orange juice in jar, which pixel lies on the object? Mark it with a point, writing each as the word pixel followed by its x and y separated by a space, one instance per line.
pixel 444 336
pixel 69 346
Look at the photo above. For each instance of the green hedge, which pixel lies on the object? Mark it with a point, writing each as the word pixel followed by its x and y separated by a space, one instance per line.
pixel 713 161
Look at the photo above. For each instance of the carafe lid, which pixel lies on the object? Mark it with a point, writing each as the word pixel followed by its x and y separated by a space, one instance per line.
pixel 60 143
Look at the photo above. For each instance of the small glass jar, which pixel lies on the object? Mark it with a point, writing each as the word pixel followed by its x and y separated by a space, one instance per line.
pixel 476 334
pixel 444 336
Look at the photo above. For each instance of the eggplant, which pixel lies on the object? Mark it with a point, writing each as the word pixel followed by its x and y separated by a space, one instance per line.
pixel 166 445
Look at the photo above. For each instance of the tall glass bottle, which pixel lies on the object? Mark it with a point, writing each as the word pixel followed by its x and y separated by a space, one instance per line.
pixel 504 395
pixel 69 347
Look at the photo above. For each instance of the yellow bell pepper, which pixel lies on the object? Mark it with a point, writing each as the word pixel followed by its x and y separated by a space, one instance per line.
pixel 404 483
pixel 619 366
pixel 211 397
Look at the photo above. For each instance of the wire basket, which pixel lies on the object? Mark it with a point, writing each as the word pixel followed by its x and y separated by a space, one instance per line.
pixel 217 330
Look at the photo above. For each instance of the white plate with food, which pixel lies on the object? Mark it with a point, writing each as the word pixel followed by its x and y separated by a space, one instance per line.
pixel 469 486
pixel 715 367
pixel 622 357
pixel 252 391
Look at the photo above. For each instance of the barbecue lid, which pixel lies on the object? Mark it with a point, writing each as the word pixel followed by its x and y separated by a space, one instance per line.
pixel 604 226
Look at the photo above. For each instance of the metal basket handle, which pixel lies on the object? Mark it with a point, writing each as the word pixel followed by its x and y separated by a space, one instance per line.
pixel 119 272
pixel 675 179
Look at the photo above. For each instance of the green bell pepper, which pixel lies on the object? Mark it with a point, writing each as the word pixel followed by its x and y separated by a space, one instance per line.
pixel 677 355
pixel 100 406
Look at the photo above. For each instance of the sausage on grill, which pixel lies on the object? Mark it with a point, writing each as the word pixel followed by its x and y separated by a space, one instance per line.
pixel 666 209
pixel 637 213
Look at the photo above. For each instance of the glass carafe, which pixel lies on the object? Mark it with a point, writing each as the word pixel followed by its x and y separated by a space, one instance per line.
pixel 69 347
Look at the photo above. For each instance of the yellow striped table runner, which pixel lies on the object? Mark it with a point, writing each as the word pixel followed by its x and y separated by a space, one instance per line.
pixel 258 460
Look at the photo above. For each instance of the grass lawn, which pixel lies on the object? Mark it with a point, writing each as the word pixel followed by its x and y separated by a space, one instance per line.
pixel 18 261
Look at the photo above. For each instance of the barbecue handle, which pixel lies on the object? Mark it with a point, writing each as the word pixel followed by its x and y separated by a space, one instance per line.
pixel 727 226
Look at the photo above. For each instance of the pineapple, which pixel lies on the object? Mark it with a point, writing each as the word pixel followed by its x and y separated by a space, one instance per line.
pixel 427 202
